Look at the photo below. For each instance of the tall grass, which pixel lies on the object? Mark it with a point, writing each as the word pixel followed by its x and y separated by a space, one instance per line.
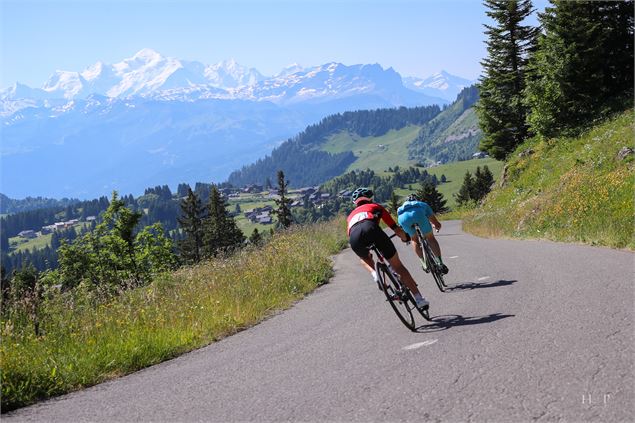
pixel 87 341
pixel 568 189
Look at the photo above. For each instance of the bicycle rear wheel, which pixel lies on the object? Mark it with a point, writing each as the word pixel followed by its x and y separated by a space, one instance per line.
pixel 400 299
pixel 434 268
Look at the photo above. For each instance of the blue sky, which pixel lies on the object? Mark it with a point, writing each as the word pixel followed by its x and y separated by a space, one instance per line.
pixel 415 37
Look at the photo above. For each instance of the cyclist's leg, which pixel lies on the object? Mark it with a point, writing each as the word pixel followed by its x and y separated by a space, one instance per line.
pixel 436 249
pixel 404 274
pixel 383 243
pixel 359 243
pixel 434 244
pixel 416 246
pixel 368 263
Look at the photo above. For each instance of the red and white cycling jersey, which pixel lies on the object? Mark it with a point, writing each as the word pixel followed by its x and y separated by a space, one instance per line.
pixel 369 211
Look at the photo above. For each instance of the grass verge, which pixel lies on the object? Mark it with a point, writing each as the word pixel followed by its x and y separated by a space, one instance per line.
pixel 567 189
pixel 87 341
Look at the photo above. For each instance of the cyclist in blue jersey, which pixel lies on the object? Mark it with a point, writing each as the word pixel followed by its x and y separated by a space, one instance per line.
pixel 414 211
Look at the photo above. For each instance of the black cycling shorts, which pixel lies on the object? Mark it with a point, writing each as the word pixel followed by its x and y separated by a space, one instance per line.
pixel 366 233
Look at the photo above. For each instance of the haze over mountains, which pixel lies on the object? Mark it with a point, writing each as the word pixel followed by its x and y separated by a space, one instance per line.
pixel 151 120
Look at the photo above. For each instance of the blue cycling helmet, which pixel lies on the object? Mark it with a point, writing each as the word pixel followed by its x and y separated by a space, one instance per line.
pixel 362 193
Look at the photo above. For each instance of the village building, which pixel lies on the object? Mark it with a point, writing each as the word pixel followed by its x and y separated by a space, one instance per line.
pixel 27 234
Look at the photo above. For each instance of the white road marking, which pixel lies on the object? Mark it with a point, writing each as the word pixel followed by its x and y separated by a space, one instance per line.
pixel 454 257
pixel 420 344
pixel 483 278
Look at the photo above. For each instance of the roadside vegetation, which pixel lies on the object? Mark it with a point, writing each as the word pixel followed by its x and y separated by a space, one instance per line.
pixel 567 189
pixel 557 104
pixel 86 338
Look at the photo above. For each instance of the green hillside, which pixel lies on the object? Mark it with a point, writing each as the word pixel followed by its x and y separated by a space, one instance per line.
pixel 452 135
pixel 454 173
pixel 377 153
pixel 371 139
pixel 567 189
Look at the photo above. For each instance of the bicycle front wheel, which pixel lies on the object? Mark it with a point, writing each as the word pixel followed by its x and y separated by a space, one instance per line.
pixel 398 297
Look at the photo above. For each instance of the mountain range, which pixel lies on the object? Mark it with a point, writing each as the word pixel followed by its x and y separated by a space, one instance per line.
pixel 151 119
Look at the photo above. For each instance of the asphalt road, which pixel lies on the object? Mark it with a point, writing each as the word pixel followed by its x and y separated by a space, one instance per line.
pixel 529 331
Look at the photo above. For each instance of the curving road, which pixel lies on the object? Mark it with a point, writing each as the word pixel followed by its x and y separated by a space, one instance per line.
pixel 530 331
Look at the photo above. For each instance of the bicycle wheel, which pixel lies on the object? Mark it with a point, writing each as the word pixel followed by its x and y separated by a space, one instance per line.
pixel 434 269
pixel 399 301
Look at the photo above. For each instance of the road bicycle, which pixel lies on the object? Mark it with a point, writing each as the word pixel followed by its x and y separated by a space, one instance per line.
pixel 397 294
pixel 429 263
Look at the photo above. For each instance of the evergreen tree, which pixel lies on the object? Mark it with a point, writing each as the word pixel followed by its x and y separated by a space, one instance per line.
pixel 482 183
pixel 501 110
pixel 464 196
pixel 255 238
pixel 428 194
pixel 393 204
pixel 283 203
pixel 182 190
pixel 475 192
pixel 583 67
pixel 4 241
pixel 191 222
pixel 220 233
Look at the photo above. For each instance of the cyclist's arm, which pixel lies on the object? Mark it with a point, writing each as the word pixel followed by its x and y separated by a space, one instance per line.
pixel 401 233
pixel 388 220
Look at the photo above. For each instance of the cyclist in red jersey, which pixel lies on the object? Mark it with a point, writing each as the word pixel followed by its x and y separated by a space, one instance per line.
pixel 364 230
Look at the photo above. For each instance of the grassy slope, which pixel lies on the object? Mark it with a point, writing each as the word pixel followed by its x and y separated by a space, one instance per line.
pixel 369 154
pixel 22 244
pixel 454 173
pixel 395 153
pixel 86 341
pixel 572 190
pixel 466 122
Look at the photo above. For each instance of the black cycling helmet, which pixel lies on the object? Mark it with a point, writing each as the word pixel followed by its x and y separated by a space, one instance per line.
pixel 413 197
pixel 362 193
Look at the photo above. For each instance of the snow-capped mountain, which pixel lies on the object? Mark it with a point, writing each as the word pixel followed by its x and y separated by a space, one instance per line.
pixel 145 73
pixel 150 74
pixel 150 119
pixel 441 84
pixel 229 74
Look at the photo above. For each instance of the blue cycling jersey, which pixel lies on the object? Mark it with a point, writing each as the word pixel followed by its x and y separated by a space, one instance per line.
pixel 412 212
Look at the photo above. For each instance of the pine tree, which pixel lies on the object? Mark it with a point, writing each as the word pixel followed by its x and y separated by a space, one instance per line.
pixel 191 222
pixel 583 67
pixel 475 192
pixel 393 204
pixel 283 203
pixel 220 233
pixel 464 196
pixel 428 194
pixel 482 183
pixel 255 238
pixel 501 110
